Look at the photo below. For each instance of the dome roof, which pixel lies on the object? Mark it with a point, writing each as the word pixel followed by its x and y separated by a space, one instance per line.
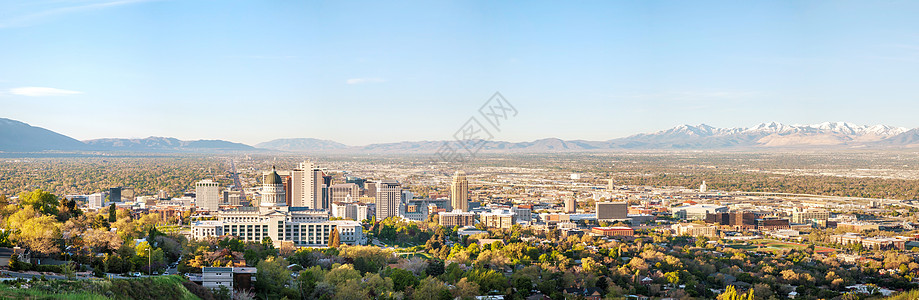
pixel 273 177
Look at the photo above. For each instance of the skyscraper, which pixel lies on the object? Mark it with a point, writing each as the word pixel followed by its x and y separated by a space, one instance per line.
pixel 389 196
pixel 571 205
pixel 702 187
pixel 207 195
pixel 306 186
pixel 114 194
pixel 459 192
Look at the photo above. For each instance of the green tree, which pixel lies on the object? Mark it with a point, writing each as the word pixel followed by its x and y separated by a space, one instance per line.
pixel 112 213
pixel 401 279
pixel 431 288
pixel 40 234
pixel 272 275
pixel 44 202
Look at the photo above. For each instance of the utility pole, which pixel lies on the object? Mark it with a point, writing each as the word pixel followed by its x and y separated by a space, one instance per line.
pixel 149 260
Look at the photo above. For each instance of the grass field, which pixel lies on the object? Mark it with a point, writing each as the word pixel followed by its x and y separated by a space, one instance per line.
pixel 774 245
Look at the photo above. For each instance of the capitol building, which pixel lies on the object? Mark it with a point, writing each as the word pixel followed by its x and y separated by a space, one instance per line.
pixel 301 226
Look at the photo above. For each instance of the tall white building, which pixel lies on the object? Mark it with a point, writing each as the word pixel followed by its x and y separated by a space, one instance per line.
pixel 459 192
pixel 389 198
pixel 571 205
pixel 702 187
pixel 96 200
pixel 207 195
pixel 306 186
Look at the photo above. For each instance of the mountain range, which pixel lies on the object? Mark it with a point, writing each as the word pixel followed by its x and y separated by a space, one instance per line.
pixel 17 136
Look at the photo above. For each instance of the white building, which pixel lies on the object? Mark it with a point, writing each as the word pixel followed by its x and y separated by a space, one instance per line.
pixel 96 200
pixel 207 195
pixel 351 211
pixel 388 200
pixel 273 219
pixel 306 186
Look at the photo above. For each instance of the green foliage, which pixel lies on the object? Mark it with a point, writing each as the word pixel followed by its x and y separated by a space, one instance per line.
pixel 42 201
pixel 401 279
pixel 272 276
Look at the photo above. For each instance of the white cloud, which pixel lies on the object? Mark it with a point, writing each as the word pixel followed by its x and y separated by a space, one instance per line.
pixel 53 10
pixel 365 80
pixel 35 91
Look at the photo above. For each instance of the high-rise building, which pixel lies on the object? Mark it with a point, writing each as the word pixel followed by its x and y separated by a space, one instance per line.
pixel 609 185
pixel 612 210
pixel 96 200
pixel 388 199
pixel 306 186
pixel 114 194
pixel 345 192
pixel 571 205
pixel 702 187
pixel 459 192
pixel 207 195
pixel 273 190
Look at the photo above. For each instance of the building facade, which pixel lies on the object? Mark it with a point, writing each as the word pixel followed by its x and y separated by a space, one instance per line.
pixel 457 218
pixel 207 195
pixel 388 199
pixel 459 192
pixel 612 210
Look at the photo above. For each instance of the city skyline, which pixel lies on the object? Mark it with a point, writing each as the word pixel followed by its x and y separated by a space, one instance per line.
pixel 194 70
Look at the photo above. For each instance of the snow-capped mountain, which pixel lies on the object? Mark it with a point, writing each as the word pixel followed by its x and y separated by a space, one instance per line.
pixel 771 134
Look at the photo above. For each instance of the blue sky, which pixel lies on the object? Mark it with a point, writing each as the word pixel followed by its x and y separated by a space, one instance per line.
pixel 367 72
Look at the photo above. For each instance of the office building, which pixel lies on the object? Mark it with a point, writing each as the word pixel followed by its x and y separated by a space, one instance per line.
pixel 207 195
pixel 571 205
pixel 499 219
pixel 459 192
pixel 96 200
pixel 696 212
pixel 388 199
pixel 612 210
pixel 114 194
pixel 692 229
pixel 613 231
pixel 456 218
pixel 345 192
pixel 810 216
pixel 306 186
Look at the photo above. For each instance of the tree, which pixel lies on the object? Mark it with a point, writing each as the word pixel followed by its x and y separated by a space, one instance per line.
pixel 342 274
pixel 431 288
pixel 112 217
pixel 40 234
pixel 44 202
pixel 272 276
pixel 401 279
pixel 730 293
pixel 466 289
pixel 334 240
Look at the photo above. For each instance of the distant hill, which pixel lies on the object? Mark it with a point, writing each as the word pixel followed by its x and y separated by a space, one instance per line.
pixel 17 136
pixel 158 144
pixel 301 144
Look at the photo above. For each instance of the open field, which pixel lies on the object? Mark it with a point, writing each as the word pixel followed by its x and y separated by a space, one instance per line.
pixel 774 245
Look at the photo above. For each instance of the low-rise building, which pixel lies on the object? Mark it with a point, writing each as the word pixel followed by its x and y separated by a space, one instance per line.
pixel 692 229
pixel 613 231
pixel 457 218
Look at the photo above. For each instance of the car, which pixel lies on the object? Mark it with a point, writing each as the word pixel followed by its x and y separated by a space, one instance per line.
pixel 135 274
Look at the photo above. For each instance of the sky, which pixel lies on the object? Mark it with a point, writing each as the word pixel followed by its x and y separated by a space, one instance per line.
pixel 361 72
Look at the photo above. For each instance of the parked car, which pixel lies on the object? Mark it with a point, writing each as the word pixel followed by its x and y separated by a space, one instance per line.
pixel 135 274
